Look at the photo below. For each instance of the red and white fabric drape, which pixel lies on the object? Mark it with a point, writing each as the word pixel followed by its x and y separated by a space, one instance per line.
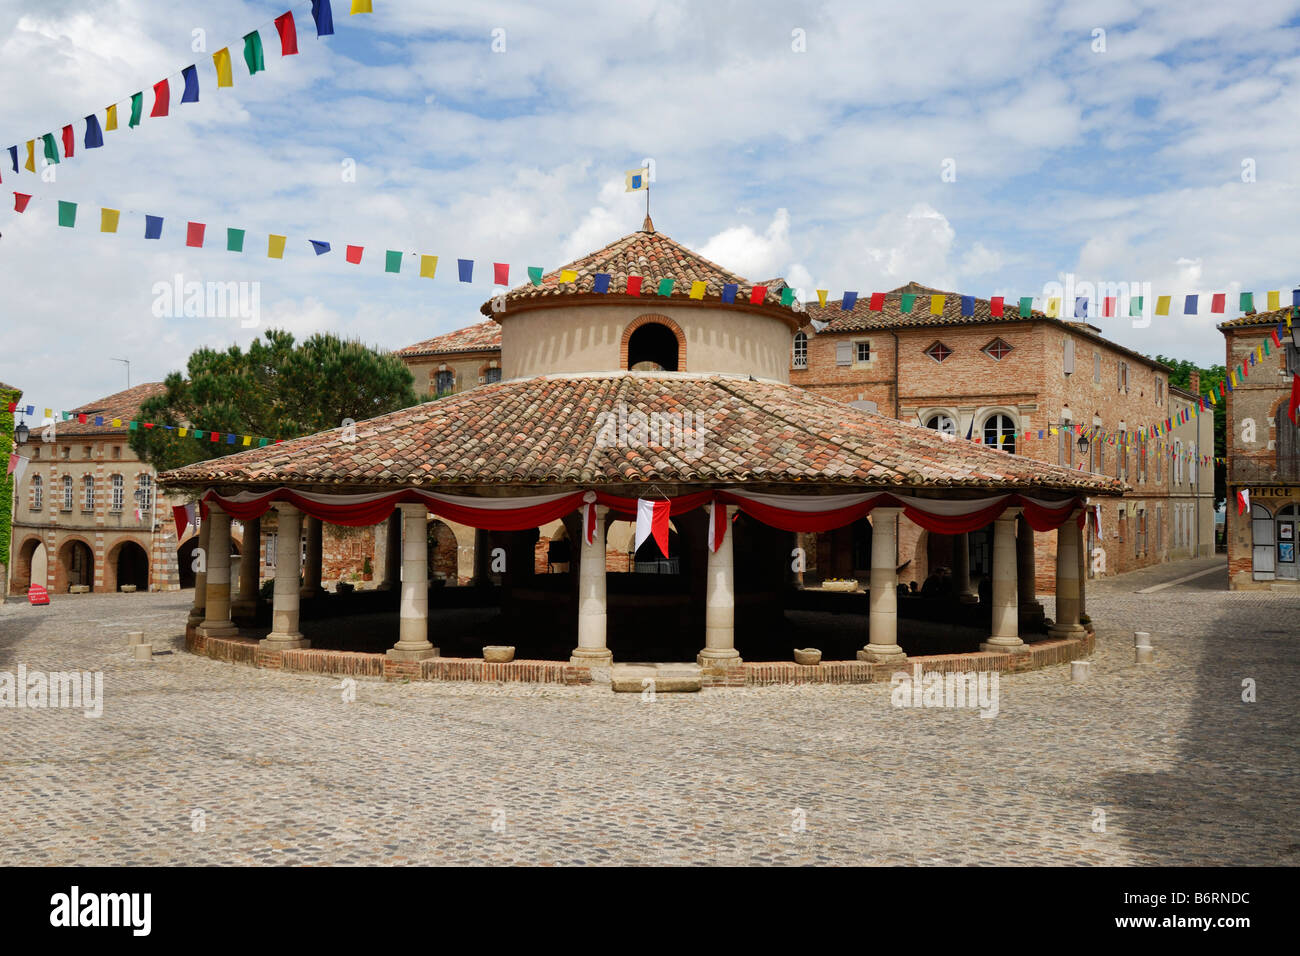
pixel 807 513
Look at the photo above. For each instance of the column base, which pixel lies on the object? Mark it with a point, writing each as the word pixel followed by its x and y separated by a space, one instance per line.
pixel 217 629
pixel 284 642
pixel 195 618
pixel 1066 631
pixel 1004 645
pixel 417 651
pixel 592 656
pixel 882 654
pixel 711 657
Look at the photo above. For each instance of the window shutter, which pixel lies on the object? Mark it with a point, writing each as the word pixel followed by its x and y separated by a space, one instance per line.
pixel 843 353
pixel 1069 356
pixel 1096 366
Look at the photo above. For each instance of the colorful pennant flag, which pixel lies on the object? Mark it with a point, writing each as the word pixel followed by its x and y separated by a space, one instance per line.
pixel 428 265
pixel 191 91
pixel 194 234
pixel 108 220
pixel 634 286
pixel 500 273
pixel 137 109
pixel 600 282
pixel 324 17
pixel 221 60
pixel 319 247
pixel 67 214
pixel 363 6
pixel 94 135
pixel 253 53
pixel 69 141
pixel 153 227
pixel 353 254
pixel 51 151
pixel 288 31
pixel 234 240
pixel 275 246
pixel 392 261
pixel 465 269
pixel 162 98
pixel 697 288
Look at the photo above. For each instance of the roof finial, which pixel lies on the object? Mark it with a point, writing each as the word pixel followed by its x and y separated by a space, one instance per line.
pixel 647 226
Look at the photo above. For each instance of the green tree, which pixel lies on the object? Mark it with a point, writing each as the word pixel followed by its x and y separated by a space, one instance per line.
pixel 1180 376
pixel 275 389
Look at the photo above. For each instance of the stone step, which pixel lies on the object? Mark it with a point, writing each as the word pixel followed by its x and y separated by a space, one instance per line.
pixel 667 678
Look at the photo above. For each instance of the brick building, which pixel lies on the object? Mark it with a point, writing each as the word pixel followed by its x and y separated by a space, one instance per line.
pixel 1003 380
pixel 456 361
pixel 1263 448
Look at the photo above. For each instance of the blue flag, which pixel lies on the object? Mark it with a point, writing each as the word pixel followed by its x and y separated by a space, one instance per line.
pixel 1189 307
pixel 1080 306
pixel 191 94
pixel 729 292
pixel 94 135
pixel 968 305
pixel 849 301
pixel 153 227
pixel 601 283
pixel 320 247
pixel 324 17
pixel 466 268
pixel 13 157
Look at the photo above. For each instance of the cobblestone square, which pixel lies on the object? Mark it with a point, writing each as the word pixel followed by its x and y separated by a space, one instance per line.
pixel 285 771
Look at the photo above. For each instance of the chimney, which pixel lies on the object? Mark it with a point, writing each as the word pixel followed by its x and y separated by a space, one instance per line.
pixel 1194 385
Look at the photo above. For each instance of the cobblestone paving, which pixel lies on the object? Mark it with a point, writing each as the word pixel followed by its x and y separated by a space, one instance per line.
pixel 286 772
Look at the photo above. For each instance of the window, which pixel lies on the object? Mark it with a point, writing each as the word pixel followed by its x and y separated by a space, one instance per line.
pixel 492 375
pixel 1160 530
pixel 942 423
pixel 269 558
pixel 862 351
pixel 800 358
pixel 843 353
pixel 146 492
pixel 1140 539
pixel 1287 447
pixel 118 486
pixel 1068 361
pixel 1121 454
pixel 38 493
pixel 938 351
pixel 1142 460
pixel 85 451
pixel 67 492
pixel 1178 463
pixel 1096 366
pixel 997 349
pixel 444 382
pixel 1160 390
pixel 117 451
pixel 999 432
pixel 1121 526
pixel 1121 377
pixel 1160 454
pixel 67 452
pixel 88 493
pixel 1292 360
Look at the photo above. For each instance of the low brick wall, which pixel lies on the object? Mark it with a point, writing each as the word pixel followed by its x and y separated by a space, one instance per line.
pixel 246 650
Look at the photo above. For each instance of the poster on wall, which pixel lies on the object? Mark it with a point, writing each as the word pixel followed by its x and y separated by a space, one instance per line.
pixel 1286 531
pixel 1286 552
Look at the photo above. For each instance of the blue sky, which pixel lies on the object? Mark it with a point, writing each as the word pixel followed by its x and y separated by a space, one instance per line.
pixel 821 164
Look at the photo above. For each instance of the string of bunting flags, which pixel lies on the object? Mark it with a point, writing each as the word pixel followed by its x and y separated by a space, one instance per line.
pixel 222 66
pixel 182 431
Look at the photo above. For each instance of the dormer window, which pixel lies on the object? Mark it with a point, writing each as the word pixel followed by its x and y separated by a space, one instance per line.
pixel 938 351
pixel 997 349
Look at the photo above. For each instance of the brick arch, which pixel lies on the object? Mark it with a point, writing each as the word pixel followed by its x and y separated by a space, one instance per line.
pixel 61 555
pixel 655 318
pixel 23 556
pixel 110 564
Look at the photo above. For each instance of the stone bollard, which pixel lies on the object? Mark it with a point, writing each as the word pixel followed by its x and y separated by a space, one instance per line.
pixel 1141 639
pixel 1080 671
pixel 143 652
pixel 134 637
pixel 1145 654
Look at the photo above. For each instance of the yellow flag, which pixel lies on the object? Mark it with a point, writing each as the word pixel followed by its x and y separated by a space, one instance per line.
pixel 1274 301
pixel 30 165
pixel 110 118
pixel 117 423
pixel 108 220
pixel 428 266
pixel 360 6
pixel 221 60
pixel 49 413
pixel 1053 307
pixel 936 304
pixel 1162 305
pixel 821 297
pixel 182 431
pixel 566 275
pixel 697 289
pixel 248 439
pixel 275 247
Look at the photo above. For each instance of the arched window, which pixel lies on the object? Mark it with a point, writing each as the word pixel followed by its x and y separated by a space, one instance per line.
pixel 800 357
pixel 1000 432
pixel 146 492
pixel 38 493
pixel 67 492
pixel 652 348
pixel 942 423
pixel 88 493
pixel 118 486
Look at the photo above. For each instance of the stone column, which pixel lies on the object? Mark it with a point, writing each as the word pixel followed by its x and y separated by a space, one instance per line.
pixel 961 569
pixel 288 560
pixel 311 569
pixel 1084 561
pixel 591 649
pixel 200 577
pixel 720 600
pixel 250 564
pixel 413 634
pixel 392 552
pixel 1006 607
pixel 216 613
pixel 1031 611
pixel 882 636
pixel 1067 580
pixel 482 559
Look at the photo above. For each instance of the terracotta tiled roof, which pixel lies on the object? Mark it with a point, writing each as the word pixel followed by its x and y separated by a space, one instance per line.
pixel 1251 319
pixel 124 405
pixel 892 316
pixel 481 337
pixel 543 431
pixel 653 256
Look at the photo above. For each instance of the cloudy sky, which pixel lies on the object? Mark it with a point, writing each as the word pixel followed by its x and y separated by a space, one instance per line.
pixel 807 140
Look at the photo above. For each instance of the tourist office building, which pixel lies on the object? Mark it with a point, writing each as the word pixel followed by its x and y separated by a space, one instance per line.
pixel 673 411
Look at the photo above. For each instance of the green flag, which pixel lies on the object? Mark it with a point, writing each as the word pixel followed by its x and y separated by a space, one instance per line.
pixel 51 151
pixel 535 274
pixel 906 301
pixel 137 107
pixel 665 286
pixel 1135 305
pixel 1247 302
pixel 253 53
pixel 133 426
pixel 234 240
pixel 392 261
pixel 67 214
pixel 787 296
pixel 1026 306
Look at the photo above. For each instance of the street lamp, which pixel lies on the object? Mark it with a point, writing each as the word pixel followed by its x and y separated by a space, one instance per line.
pixel 21 433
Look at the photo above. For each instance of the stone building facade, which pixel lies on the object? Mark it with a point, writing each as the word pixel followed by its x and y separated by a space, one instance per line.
pixel 1263 453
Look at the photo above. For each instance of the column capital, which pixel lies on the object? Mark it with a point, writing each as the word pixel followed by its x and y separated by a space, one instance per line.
pixel 413 509
pixel 286 509
pixel 214 508
pixel 886 511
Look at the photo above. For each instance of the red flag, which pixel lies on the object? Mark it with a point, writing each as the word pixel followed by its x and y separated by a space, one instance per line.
pixel 757 294
pixel 652 521
pixel 162 98
pixel 1108 306
pixel 68 141
pixel 284 25
pixel 1216 304
pixel 1293 407
pixel 501 273
pixel 194 234
pixel 633 285
pixel 21 200
pixel 877 303
pixel 1243 501
pixel 995 305
pixel 353 254
pixel 184 515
